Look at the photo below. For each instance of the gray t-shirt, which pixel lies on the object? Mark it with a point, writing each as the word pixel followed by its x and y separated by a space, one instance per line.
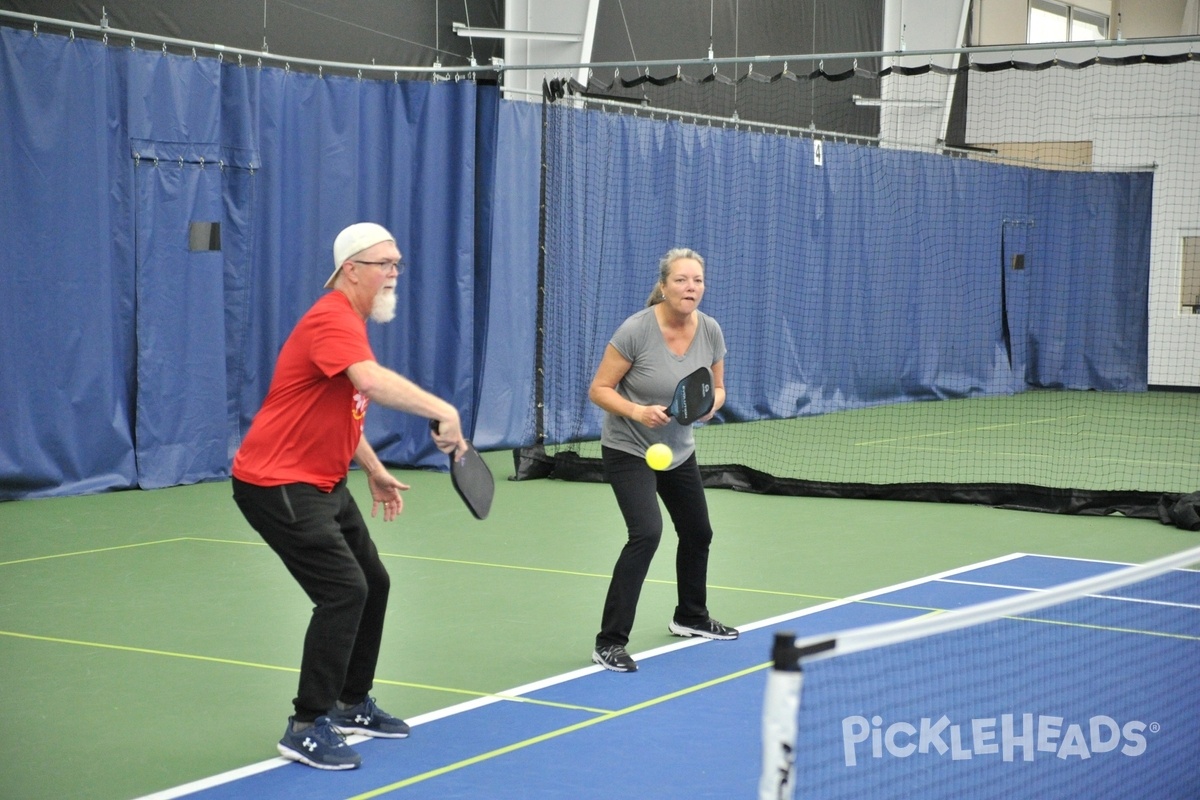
pixel 653 374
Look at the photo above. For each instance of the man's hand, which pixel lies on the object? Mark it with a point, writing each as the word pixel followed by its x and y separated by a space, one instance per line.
pixel 385 490
pixel 447 436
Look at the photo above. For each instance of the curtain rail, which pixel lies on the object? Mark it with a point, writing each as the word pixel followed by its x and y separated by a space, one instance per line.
pixel 499 66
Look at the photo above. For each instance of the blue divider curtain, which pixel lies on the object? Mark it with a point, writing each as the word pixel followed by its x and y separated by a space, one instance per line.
pixel 132 357
pixel 876 277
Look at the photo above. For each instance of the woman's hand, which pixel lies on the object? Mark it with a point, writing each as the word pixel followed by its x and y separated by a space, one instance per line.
pixel 651 416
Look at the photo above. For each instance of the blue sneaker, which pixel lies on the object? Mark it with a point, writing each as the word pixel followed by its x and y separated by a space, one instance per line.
pixel 369 720
pixel 320 746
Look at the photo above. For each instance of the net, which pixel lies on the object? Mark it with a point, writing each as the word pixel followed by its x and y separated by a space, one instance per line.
pixel 964 283
pixel 1081 690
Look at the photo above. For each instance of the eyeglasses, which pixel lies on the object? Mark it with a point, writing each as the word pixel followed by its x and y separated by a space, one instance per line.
pixel 386 266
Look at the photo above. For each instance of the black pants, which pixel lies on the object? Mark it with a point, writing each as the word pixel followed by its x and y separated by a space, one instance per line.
pixel 323 541
pixel 638 488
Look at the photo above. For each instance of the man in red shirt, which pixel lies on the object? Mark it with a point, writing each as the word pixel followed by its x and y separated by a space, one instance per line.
pixel 289 480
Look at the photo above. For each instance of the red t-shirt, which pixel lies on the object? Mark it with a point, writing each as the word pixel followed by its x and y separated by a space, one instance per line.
pixel 312 418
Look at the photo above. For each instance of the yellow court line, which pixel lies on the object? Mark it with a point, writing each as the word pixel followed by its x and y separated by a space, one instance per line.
pixel 147 651
pixel 461 562
pixel 91 552
pixel 1108 628
pixel 232 662
pixel 996 427
pixel 776 592
pixel 1027 456
pixel 466 563
pixel 606 717
pixel 1059 622
pixel 435 559
pixel 910 448
pixel 1119 459
pixel 605 576
pixel 515 698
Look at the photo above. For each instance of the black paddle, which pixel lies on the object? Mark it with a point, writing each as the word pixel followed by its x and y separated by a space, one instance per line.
pixel 693 397
pixel 471 479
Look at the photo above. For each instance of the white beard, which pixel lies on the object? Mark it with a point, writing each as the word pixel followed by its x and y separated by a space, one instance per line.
pixel 384 307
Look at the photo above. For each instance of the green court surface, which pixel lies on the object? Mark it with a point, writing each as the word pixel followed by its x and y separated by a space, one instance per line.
pixel 149 639
pixel 1143 441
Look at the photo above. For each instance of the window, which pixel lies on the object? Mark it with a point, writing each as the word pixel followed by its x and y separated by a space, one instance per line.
pixel 1088 26
pixel 1051 21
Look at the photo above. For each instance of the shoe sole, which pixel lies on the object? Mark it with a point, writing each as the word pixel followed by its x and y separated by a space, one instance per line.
pixel 680 630
pixel 596 659
pixel 293 755
pixel 369 732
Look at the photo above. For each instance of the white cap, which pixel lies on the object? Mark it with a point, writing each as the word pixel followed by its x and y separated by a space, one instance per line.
pixel 352 241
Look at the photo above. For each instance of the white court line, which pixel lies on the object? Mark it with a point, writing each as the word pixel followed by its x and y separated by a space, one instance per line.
pixel 1166 603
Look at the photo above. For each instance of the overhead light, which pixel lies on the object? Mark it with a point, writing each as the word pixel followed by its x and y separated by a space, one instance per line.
pixel 504 33
pixel 859 100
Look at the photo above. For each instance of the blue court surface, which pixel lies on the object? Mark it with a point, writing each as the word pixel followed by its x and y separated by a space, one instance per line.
pixel 688 724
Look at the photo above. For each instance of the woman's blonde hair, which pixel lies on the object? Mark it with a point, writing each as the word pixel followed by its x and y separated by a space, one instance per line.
pixel 664 271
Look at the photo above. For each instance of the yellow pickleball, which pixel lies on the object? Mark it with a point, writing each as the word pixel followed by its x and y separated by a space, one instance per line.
pixel 658 456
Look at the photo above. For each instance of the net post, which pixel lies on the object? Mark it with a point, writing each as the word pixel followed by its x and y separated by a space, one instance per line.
pixel 784 654
pixel 781 711
pixel 781 708
pixel 531 462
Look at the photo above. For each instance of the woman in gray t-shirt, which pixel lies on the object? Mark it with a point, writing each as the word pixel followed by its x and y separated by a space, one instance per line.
pixel 645 359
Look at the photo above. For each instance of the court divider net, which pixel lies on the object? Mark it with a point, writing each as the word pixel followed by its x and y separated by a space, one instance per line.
pixel 942 277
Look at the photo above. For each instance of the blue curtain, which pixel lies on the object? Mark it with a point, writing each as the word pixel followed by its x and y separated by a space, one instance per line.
pixel 878 277
pixel 131 359
pixel 506 379
pixel 128 357
pixel 67 286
